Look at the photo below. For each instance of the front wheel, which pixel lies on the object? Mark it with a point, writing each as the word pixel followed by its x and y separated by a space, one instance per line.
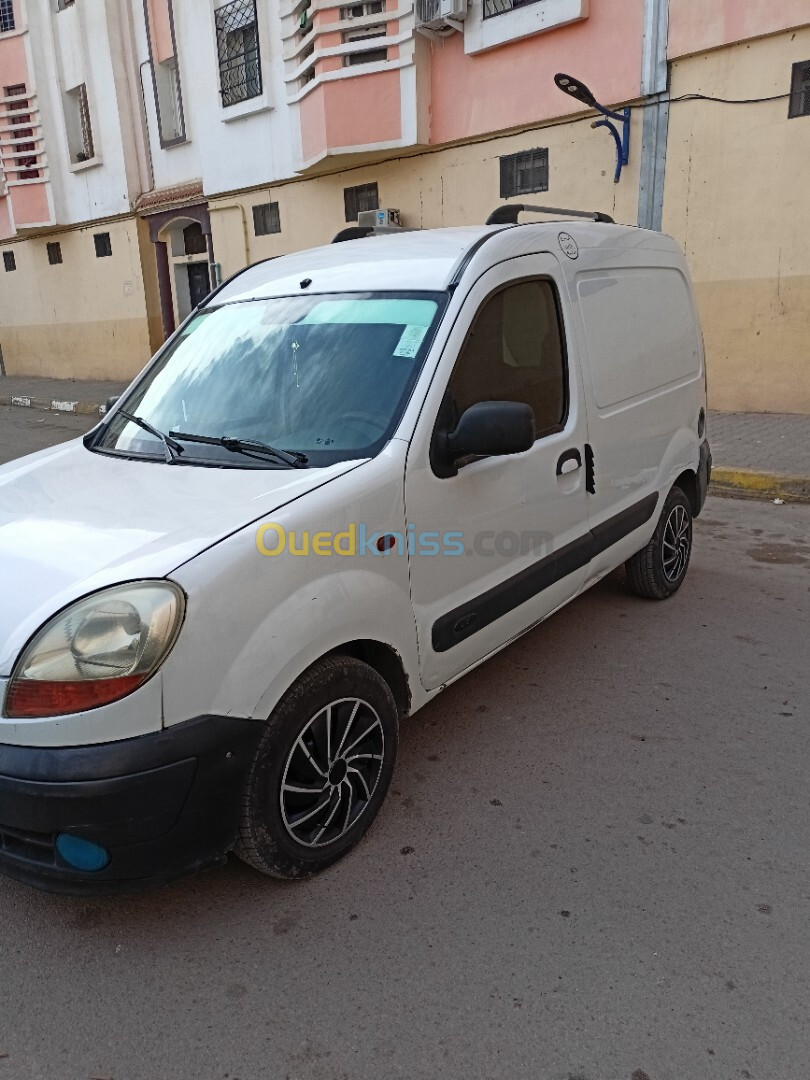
pixel 321 770
pixel 658 570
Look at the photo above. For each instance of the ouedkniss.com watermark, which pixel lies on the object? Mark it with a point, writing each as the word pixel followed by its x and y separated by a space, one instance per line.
pixel 273 540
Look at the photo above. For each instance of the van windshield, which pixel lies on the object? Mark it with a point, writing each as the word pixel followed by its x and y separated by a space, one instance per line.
pixel 324 378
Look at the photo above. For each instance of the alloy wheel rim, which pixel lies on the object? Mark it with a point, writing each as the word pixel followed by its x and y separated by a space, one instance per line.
pixel 332 772
pixel 677 543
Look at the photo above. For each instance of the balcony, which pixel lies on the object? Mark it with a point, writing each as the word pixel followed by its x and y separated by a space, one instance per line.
pixel 24 176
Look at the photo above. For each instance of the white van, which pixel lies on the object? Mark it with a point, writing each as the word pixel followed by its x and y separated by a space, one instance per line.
pixel 350 476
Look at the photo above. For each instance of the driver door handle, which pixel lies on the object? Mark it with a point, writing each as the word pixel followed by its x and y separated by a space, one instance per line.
pixel 569 462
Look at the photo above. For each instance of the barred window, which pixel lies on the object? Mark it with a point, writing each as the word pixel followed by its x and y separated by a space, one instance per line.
pixel 6 16
pixel 524 173
pixel 103 245
pixel 800 91
pixel 78 123
pixel 54 254
pixel 266 219
pixel 240 74
pixel 361 197
pixel 9 261
pixel 500 7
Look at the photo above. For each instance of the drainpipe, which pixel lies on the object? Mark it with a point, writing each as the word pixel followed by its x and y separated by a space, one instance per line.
pixel 654 88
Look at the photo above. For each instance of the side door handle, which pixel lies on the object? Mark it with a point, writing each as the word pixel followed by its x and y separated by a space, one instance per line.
pixel 569 462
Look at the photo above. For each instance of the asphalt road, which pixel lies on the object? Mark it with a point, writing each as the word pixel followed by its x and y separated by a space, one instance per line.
pixel 592 866
pixel 22 431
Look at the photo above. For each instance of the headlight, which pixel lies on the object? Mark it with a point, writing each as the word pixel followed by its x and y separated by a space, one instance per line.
pixel 97 650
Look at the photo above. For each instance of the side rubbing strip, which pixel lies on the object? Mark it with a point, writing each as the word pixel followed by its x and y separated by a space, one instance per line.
pixel 457 625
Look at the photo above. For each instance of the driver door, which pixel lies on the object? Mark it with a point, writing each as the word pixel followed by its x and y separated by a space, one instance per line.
pixel 513 530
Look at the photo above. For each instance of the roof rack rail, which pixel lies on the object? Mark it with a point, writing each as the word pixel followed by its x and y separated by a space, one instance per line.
pixel 354 232
pixel 508 215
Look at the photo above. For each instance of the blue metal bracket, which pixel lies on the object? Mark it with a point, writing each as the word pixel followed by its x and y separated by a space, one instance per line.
pixel 622 141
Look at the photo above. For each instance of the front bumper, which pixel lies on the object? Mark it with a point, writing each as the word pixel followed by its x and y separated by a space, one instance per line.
pixel 162 805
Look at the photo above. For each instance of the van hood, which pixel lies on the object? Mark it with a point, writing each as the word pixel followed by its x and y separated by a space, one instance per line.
pixel 73 521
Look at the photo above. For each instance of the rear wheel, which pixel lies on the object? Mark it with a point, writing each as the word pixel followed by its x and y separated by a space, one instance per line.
pixel 658 570
pixel 321 771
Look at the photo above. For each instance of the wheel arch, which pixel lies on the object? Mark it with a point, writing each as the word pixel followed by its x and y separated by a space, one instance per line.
pixel 387 662
pixel 688 484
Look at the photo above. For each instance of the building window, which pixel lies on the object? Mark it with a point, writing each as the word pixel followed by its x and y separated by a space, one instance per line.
pixel 362 197
pixel 524 173
pixel 166 80
pixel 266 219
pixel 6 16
pixel 372 34
pixel 78 124
pixel 9 261
pixel 800 91
pixel 240 74
pixel 357 11
pixel 19 117
pixel 54 254
pixel 103 245
pixel 500 7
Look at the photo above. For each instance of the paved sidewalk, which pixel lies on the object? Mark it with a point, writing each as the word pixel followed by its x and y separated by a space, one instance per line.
pixel 58 395
pixel 764 454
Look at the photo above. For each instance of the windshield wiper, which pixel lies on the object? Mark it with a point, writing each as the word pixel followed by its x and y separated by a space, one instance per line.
pixel 249 447
pixel 171 449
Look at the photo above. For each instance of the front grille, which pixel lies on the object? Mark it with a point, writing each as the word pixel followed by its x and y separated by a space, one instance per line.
pixel 21 845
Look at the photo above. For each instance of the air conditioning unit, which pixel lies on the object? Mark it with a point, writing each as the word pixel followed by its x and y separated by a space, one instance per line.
pixel 378 219
pixel 440 14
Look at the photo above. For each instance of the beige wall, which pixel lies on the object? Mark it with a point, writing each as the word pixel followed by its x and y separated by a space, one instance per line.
pixel 85 318
pixel 454 186
pixel 736 199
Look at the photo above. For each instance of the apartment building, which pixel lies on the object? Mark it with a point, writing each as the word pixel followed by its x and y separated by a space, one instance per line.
pixel 150 147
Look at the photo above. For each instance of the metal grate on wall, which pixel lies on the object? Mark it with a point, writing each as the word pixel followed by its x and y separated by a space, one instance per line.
pixel 361 197
pixel 501 7
pixel 800 90
pixel 524 173
pixel 240 74
pixel 6 16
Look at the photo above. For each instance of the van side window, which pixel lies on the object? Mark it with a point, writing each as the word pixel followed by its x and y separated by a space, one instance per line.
pixel 514 352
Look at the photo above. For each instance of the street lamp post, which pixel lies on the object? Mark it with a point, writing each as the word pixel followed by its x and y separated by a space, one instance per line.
pixel 575 88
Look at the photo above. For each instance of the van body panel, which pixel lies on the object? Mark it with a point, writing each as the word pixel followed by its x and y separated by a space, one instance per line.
pixel 519 495
pixel 274 615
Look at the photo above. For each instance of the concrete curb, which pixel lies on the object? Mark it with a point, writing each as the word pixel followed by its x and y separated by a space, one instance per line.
pixel 759 485
pixel 82 408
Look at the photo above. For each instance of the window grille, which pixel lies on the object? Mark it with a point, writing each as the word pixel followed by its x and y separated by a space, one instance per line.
pixel 501 7
pixel 6 16
pixel 9 261
pixel 361 197
pixel 103 245
pixel 240 74
pixel 19 117
pixel 800 91
pixel 524 173
pixel 266 219
pixel 54 254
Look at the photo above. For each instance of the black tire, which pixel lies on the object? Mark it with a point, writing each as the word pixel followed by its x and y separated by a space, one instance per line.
pixel 285 825
pixel 658 570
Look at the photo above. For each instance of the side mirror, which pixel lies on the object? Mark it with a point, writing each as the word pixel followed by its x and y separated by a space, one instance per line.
pixel 110 402
pixel 493 428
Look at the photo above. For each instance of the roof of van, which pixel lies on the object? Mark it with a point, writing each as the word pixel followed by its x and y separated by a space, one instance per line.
pixel 423 260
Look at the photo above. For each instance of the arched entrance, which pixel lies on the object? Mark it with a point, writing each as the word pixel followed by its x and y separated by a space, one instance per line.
pixel 184 253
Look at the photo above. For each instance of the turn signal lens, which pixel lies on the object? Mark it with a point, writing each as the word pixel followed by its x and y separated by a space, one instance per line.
pixel 96 651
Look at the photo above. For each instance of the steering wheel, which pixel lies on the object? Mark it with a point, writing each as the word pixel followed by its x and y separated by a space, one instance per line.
pixel 368 420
